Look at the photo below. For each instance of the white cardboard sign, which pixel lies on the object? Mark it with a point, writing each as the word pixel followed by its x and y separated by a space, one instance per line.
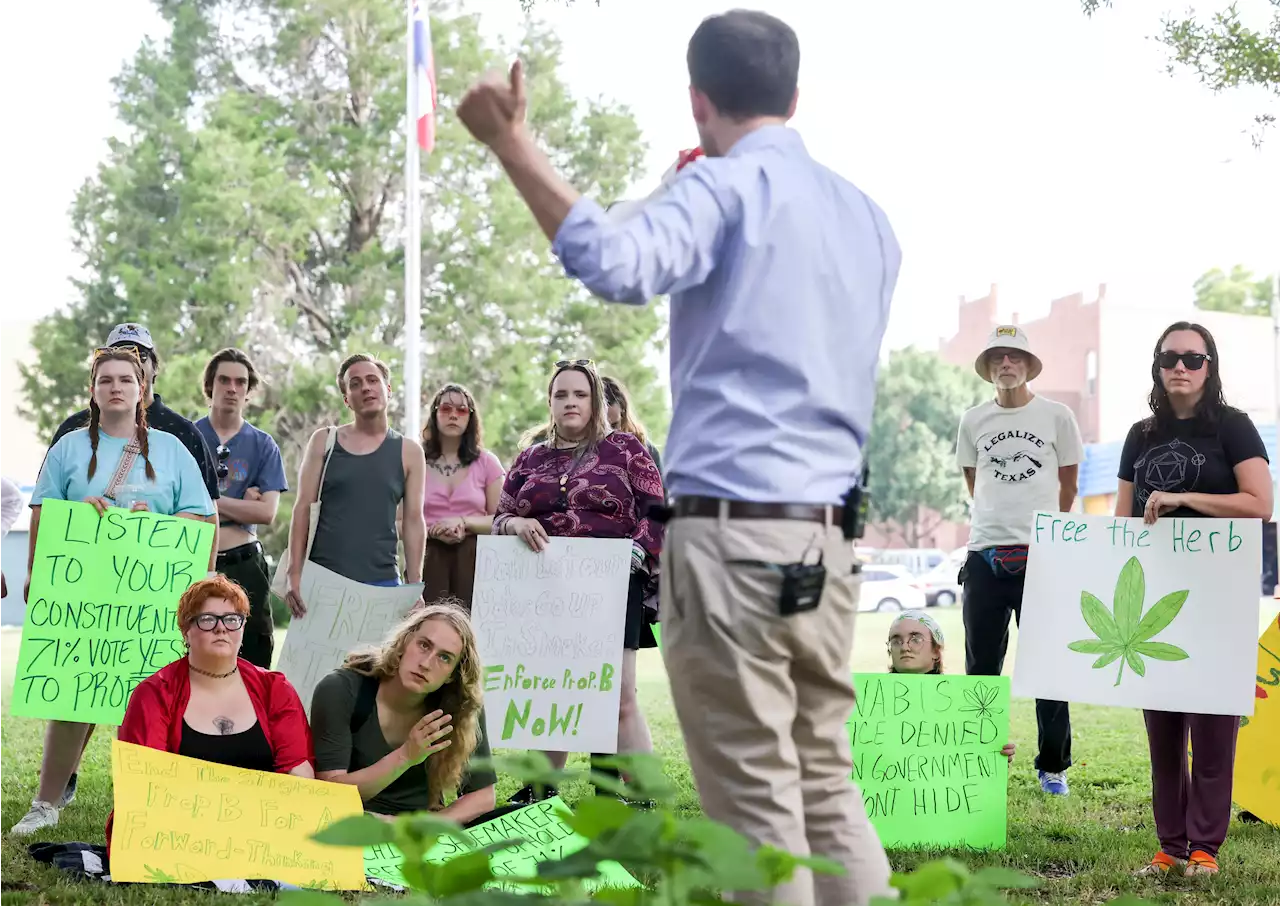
pixel 342 615
pixel 549 627
pixel 1163 616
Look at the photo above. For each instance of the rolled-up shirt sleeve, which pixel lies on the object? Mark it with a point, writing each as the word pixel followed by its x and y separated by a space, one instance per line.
pixel 670 246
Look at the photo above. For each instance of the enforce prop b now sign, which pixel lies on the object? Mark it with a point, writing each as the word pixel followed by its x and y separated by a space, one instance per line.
pixel 549 628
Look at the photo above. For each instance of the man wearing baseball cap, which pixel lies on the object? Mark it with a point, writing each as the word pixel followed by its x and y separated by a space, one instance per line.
pixel 160 417
pixel 1020 453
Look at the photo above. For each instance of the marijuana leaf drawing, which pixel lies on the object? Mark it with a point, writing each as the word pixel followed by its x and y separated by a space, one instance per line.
pixel 981 699
pixel 1126 635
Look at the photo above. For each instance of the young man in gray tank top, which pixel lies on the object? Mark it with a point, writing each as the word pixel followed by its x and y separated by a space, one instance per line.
pixel 373 472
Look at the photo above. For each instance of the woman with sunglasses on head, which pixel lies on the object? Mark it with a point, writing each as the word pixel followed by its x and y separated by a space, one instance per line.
pixel 214 705
pixel 589 481
pixel 118 461
pixel 1224 475
pixel 622 418
pixel 464 481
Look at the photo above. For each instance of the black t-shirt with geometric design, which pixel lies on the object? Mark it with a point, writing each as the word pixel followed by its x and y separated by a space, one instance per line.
pixel 1188 456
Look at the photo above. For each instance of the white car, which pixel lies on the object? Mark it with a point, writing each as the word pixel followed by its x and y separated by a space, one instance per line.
pixel 890 588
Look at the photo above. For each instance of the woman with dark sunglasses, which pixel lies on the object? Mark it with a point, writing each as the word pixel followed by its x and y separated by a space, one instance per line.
pixel 1193 456
pixel 214 705
pixel 464 481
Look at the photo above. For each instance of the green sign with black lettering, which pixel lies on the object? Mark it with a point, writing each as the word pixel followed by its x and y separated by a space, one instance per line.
pixel 926 755
pixel 102 610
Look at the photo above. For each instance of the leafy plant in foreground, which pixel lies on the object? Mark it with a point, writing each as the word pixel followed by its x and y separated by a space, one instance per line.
pixel 1125 636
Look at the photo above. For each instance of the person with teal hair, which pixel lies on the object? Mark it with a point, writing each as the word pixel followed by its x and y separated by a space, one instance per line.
pixel 916 646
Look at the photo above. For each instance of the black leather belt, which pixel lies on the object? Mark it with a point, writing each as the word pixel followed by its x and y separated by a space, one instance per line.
pixel 239 553
pixel 709 508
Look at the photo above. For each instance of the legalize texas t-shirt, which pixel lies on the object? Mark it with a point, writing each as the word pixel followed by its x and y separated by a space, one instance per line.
pixel 1015 455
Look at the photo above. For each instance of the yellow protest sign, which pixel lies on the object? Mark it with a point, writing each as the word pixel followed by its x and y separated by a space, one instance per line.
pixel 182 820
pixel 1256 783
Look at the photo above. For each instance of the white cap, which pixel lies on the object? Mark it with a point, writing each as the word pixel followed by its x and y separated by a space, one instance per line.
pixel 1008 336
pixel 131 333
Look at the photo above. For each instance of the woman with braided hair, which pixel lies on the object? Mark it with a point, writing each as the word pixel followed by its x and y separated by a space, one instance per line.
pixel 116 461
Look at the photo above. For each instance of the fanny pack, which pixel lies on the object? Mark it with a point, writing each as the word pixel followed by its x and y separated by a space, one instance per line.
pixel 1006 561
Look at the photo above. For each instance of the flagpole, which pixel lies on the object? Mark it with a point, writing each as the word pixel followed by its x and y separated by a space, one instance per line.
pixel 412 246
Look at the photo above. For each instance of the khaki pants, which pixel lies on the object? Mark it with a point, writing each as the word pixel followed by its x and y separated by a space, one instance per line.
pixel 763 699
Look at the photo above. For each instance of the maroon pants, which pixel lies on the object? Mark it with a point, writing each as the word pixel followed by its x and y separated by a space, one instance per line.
pixel 1192 808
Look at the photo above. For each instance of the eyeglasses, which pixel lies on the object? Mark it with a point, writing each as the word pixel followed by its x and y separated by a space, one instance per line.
pixel 224 453
pixel 576 363
pixel 1194 361
pixel 448 409
pixel 914 640
pixel 232 621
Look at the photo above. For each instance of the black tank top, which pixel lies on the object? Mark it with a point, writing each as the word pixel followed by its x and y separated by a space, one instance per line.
pixel 356 534
pixel 249 749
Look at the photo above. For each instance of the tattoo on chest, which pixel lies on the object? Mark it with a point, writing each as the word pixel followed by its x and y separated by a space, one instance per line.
pixel 445 469
pixel 224 725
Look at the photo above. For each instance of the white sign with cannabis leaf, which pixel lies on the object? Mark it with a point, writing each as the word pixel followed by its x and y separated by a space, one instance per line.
pixel 1115 612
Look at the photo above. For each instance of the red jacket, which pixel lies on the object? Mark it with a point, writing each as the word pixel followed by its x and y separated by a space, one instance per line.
pixel 153 717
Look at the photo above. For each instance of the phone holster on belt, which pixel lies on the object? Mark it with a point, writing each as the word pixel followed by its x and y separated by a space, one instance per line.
pixel 802 584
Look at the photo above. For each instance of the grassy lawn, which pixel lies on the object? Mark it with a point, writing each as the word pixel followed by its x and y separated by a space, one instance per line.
pixel 1084 847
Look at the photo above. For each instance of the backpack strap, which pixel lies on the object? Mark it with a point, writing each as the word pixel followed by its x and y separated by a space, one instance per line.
pixel 366 702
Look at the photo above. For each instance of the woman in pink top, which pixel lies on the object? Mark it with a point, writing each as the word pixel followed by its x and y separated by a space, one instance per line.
pixel 464 482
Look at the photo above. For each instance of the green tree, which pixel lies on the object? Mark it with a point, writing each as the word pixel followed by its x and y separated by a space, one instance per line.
pixel 256 201
pixel 915 483
pixel 1238 291
pixel 1221 50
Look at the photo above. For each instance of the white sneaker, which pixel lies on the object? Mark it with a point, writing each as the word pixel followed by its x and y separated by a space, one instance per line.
pixel 42 815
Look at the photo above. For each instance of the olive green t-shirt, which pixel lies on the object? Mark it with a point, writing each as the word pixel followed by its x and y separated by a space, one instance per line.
pixel 338 749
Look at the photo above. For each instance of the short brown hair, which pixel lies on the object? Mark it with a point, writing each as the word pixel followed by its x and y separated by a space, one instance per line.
pixel 218 587
pixel 235 356
pixel 356 360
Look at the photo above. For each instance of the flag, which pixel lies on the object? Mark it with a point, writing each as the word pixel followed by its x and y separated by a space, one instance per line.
pixel 424 71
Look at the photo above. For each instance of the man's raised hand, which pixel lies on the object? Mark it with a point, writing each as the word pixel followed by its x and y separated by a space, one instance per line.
pixel 493 110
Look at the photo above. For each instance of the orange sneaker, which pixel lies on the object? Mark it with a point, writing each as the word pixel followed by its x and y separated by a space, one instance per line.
pixel 1161 864
pixel 1201 863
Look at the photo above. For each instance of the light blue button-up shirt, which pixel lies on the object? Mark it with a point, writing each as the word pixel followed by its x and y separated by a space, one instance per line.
pixel 780 274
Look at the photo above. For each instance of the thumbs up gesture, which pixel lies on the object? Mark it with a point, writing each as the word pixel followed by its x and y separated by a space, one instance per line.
pixel 493 110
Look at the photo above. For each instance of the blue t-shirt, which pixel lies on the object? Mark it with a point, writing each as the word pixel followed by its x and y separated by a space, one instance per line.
pixel 178 488
pixel 253 462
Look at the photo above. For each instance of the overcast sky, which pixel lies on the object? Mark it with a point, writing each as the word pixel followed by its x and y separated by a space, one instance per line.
pixel 1010 142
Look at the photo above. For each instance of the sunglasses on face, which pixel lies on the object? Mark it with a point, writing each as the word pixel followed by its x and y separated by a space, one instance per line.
pixel 223 453
pixel 231 621
pixel 1193 361
pixel 447 409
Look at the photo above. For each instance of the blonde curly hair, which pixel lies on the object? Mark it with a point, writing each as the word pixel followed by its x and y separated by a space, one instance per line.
pixel 461 697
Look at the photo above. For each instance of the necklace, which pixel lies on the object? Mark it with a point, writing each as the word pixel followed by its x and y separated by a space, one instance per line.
pixel 230 672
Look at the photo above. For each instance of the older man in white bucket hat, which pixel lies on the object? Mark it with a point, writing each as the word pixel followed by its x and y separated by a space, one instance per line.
pixel 1020 453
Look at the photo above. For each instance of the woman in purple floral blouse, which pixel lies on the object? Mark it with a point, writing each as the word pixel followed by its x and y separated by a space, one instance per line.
pixel 586 481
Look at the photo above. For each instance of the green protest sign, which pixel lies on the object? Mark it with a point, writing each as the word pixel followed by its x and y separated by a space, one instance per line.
pixel 545 836
pixel 102 611
pixel 926 755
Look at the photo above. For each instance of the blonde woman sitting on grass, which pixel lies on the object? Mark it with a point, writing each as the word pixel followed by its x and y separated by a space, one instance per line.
pixel 402 721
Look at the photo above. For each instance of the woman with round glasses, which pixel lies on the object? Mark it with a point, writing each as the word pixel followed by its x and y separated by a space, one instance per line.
pixel 212 704
pixel 916 646
pixel 464 481
pixel 1222 472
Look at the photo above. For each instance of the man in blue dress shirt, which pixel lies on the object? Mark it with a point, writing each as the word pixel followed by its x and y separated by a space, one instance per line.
pixel 780 274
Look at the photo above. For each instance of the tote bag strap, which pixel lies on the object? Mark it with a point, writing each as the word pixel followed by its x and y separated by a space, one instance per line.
pixel 127 459
pixel 330 440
